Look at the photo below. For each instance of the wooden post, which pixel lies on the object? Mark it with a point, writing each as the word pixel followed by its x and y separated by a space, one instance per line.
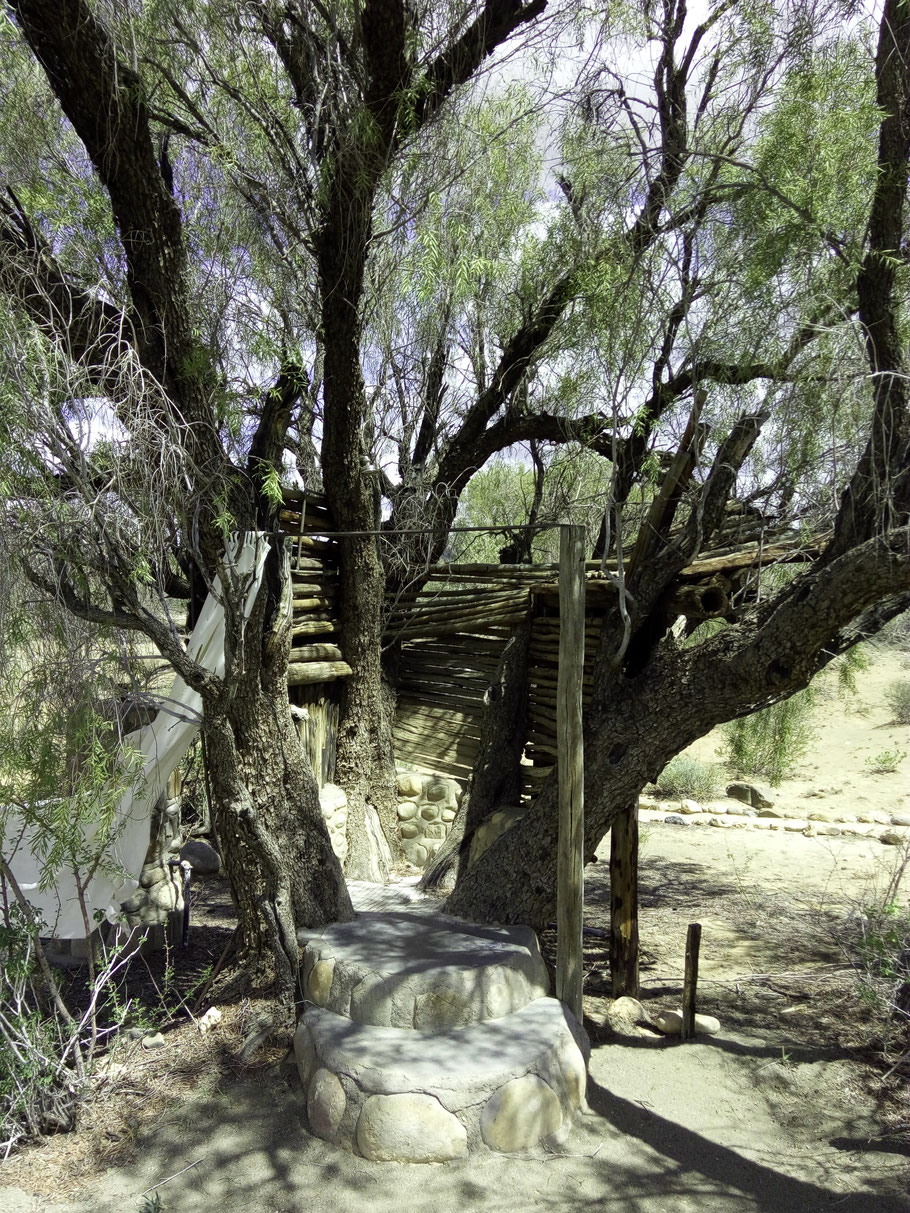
pixel 690 981
pixel 624 903
pixel 570 768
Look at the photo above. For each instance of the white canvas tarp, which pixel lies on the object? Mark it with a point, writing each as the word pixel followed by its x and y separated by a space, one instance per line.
pixel 161 746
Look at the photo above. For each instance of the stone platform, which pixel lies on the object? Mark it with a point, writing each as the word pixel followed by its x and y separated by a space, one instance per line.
pixel 429 1038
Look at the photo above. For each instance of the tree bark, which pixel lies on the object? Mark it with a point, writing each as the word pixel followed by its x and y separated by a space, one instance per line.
pixel 275 843
pixel 680 695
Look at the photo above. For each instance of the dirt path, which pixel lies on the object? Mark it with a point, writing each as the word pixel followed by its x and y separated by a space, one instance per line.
pixel 775 1113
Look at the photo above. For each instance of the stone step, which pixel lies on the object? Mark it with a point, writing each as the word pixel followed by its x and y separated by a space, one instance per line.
pixel 419 971
pixel 390 1094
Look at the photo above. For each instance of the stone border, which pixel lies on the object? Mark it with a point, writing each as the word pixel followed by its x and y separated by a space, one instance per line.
pixel 390 1094
pixel 890 829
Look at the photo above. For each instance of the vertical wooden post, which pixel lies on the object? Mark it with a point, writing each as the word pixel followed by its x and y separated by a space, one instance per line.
pixel 690 981
pixel 570 768
pixel 624 903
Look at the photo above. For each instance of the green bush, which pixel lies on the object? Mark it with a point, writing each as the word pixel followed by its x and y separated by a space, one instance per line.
pixel 898 697
pixel 686 775
pixel 770 743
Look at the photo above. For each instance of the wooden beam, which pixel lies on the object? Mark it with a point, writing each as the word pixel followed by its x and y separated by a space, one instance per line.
pixel 300 672
pixel 570 857
pixel 317 652
pixel 690 980
pixel 624 903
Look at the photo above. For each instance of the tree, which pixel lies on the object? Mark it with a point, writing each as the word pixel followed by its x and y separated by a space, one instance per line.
pixel 183 219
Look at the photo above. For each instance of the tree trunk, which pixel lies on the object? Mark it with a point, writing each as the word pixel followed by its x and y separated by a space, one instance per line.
pixel 275 843
pixel 680 695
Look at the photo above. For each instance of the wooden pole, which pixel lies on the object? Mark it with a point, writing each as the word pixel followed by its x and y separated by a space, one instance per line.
pixel 570 768
pixel 690 981
pixel 624 903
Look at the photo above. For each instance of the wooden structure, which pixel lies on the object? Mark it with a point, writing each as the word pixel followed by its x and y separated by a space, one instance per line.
pixel 450 634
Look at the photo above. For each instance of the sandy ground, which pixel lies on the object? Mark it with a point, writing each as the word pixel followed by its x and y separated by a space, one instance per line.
pixel 777 1112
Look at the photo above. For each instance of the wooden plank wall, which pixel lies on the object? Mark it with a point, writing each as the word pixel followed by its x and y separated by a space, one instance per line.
pixel 443 681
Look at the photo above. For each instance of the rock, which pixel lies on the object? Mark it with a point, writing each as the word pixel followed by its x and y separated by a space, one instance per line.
pixel 520 1115
pixel 827 830
pixel 447 815
pixel 152 875
pixel 749 794
pixel 737 810
pixel 690 806
pixel 202 858
pixel 409 1128
pixel 794 826
pixel 408 829
pixel 670 1023
pixel 417 854
pixel 771 813
pixel 901 819
pixel 166 896
pixel 320 981
pixel 153 1041
pixel 304 1054
pixel 625 1014
pixel 331 799
pixel 708 1025
pixel 326 1102
pixel 209 1020
pixel 409 786
pixel 407 809
pixel 891 838
pixel 674 819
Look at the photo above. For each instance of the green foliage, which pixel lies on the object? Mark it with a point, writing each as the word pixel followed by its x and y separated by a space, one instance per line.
pixel 886 761
pixel 897 695
pixel 771 742
pixel 687 776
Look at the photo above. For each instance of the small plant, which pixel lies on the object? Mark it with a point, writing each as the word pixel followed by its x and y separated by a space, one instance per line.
pixel 898 696
pixel 771 742
pixel 885 762
pixel 686 775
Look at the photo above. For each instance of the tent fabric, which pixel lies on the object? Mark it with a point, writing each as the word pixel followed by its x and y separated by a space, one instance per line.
pixel 160 745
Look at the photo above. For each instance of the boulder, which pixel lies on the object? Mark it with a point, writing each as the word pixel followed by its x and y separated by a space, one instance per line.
pixel 326 1102
pixel 410 786
pixel 520 1115
pixel 409 1127
pixel 202 858
pixel 670 1023
pixel 749 794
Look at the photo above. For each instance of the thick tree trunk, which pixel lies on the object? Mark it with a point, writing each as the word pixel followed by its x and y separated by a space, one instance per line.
pixel 680 695
pixel 364 764
pixel 274 840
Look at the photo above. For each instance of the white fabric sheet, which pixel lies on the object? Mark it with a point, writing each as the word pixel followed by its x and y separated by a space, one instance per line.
pixel 161 745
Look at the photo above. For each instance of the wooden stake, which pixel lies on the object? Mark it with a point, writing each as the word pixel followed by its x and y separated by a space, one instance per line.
pixel 624 903
pixel 570 766
pixel 690 982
